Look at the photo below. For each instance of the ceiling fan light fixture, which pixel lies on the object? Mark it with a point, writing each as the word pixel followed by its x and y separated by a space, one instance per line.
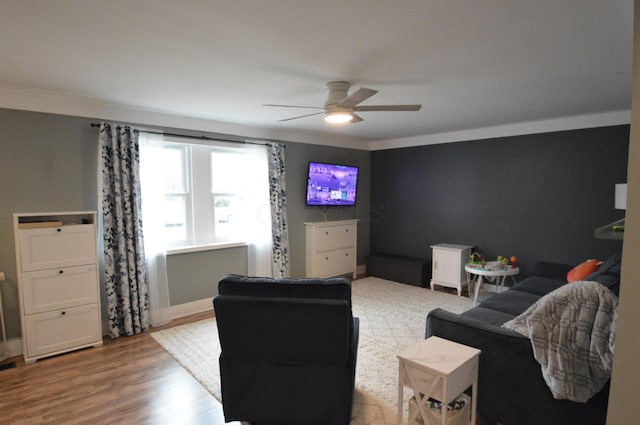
pixel 338 117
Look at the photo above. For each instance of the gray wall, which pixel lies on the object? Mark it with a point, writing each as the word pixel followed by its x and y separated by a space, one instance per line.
pixel 297 157
pixel 195 276
pixel 539 197
pixel 48 163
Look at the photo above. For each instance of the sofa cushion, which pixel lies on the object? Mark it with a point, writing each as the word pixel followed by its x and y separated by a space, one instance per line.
pixel 487 315
pixel 551 270
pixel 510 302
pixel 613 265
pixel 609 273
pixel 538 285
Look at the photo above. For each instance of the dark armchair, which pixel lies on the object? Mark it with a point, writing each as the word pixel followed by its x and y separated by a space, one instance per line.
pixel 289 349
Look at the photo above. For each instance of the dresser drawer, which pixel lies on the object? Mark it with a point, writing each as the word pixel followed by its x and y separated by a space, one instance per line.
pixel 55 247
pixel 59 288
pixel 332 237
pixel 62 329
pixel 333 263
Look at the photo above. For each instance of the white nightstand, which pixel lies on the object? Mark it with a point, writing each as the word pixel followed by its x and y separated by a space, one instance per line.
pixel 448 265
pixel 439 369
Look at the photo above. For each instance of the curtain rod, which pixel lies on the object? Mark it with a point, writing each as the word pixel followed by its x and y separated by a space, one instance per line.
pixel 201 137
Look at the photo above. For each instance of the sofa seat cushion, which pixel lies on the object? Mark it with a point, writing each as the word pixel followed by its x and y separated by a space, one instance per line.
pixel 510 302
pixel 609 273
pixel 537 285
pixel 486 315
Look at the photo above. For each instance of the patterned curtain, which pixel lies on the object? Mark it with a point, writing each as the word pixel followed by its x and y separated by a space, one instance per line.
pixel 124 262
pixel 279 227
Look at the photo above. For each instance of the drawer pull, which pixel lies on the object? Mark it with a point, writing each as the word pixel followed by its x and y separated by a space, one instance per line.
pixel 61 271
pixel 59 229
pixel 63 313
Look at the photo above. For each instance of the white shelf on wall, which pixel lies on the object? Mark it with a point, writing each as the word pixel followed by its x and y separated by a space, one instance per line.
pixel 607 232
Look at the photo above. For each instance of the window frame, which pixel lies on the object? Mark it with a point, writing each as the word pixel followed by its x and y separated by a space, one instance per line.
pixel 185 194
pixel 198 197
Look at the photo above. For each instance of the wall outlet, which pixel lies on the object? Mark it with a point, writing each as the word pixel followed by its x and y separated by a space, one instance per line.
pixel 1 276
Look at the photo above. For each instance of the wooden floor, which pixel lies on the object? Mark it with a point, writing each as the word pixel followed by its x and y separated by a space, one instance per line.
pixel 130 380
pixel 127 381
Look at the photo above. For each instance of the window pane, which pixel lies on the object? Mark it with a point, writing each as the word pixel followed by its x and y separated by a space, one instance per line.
pixel 175 219
pixel 227 212
pixel 227 172
pixel 174 162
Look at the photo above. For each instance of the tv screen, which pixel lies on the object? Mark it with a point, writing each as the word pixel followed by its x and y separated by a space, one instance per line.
pixel 331 184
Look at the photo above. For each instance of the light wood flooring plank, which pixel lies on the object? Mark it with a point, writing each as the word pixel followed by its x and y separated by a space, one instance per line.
pixel 130 380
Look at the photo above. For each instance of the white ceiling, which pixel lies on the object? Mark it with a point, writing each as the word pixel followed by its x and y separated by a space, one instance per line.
pixel 472 64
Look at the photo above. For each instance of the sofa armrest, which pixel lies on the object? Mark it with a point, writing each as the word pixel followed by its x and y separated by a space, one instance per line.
pixel 510 382
pixel 511 388
pixel 476 333
pixel 551 270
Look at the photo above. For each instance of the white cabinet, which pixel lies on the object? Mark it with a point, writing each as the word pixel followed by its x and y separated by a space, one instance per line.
pixel 448 265
pixel 58 289
pixel 331 248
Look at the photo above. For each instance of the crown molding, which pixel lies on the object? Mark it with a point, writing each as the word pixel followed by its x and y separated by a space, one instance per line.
pixel 604 119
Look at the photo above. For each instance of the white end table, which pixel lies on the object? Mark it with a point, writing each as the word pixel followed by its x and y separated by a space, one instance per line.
pixel 499 275
pixel 440 369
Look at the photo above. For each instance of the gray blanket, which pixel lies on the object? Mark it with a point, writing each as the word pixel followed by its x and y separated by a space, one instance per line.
pixel 572 331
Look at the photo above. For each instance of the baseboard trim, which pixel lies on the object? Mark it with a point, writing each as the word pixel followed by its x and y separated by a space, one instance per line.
pixel 15 347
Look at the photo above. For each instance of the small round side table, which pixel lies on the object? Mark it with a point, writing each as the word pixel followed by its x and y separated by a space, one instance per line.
pixel 479 271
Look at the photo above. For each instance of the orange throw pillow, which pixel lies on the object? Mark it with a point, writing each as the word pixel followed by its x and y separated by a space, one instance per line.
pixel 580 272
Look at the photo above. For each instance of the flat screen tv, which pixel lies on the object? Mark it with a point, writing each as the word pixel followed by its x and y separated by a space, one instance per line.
pixel 331 184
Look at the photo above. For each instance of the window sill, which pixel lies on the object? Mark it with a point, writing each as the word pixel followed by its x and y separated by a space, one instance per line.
pixel 207 247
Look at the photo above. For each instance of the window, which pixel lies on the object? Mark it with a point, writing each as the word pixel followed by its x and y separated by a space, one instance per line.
pixel 226 189
pixel 176 189
pixel 206 193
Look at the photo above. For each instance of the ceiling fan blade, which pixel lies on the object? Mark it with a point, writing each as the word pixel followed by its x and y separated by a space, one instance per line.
pixel 293 106
pixel 302 116
pixel 356 97
pixel 356 118
pixel 388 108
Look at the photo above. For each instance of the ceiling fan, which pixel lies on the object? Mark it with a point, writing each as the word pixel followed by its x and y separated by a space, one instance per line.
pixel 340 107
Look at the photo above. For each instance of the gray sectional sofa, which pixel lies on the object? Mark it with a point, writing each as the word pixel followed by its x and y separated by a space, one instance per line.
pixel 512 390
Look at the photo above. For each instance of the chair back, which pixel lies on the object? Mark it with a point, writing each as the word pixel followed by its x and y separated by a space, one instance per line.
pixel 288 349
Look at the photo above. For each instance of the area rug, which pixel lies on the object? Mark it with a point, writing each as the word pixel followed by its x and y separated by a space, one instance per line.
pixel 392 318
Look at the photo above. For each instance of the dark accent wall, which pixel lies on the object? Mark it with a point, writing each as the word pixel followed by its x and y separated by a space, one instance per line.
pixel 538 197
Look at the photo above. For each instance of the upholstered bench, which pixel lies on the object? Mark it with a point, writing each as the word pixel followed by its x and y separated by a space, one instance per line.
pixel 409 270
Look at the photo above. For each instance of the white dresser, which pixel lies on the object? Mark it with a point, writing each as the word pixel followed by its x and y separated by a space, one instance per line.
pixel 331 248
pixel 58 286
pixel 448 265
